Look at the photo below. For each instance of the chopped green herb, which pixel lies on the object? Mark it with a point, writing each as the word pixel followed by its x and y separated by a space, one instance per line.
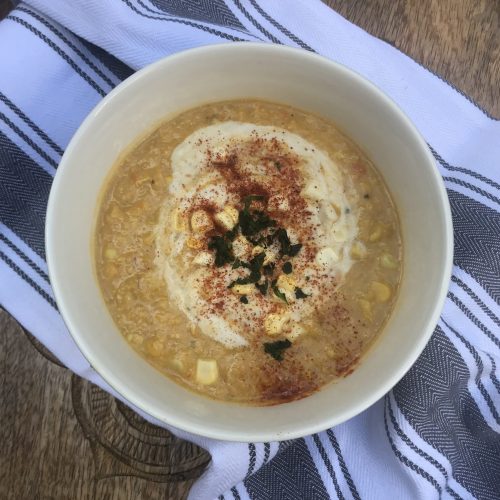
pixel 294 249
pixel 299 294
pixel 275 349
pixel 279 294
pixel 269 268
pixel 366 196
pixel 231 235
pixel 254 265
pixel 262 287
pixel 253 222
pixel 238 263
pixel 347 210
pixel 278 165
pixel 286 246
pixel 223 250
pixel 244 299
pixel 287 267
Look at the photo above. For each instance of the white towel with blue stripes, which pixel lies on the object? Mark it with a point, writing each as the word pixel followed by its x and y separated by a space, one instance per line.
pixel 437 434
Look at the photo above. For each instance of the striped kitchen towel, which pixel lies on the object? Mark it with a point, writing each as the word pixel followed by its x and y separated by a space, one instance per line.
pixel 437 434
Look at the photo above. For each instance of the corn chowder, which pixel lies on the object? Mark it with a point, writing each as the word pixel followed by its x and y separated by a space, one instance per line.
pixel 249 251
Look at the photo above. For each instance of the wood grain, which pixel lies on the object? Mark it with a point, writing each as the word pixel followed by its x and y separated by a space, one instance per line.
pixel 458 40
pixel 63 438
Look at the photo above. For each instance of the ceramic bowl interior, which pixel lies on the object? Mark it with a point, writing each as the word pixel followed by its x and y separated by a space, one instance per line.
pixel 283 75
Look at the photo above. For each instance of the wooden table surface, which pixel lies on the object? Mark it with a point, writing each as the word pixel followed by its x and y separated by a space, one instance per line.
pixel 63 438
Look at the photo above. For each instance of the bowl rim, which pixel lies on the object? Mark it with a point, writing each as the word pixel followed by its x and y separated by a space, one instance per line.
pixel 250 435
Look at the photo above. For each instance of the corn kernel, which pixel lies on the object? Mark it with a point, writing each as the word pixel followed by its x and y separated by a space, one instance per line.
pixel 274 323
pixel 243 289
pixel 227 218
pixel 366 309
pixel 295 332
pixel 200 221
pixel 203 259
pixel 358 250
pixel 376 234
pixel 286 282
pixel 110 253
pixel 194 243
pixel 381 291
pixel 388 261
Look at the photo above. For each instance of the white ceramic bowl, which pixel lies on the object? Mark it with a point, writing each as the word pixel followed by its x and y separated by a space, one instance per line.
pixel 283 75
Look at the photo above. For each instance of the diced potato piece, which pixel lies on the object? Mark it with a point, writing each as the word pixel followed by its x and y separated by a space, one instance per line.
pixel 110 253
pixel 295 332
pixel 376 234
pixel 366 308
pixel 388 261
pixel 274 323
pixel 194 243
pixel 207 371
pixel 200 221
pixel 381 291
pixel 203 259
pixel 244 289
pixel 286 282
pixel 227 218
pixel 327 257
pixel 358 250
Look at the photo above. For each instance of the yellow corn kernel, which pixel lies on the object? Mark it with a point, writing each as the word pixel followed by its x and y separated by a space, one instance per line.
pixel 207 371
pixel 194 243
pixel 295 332
pixel 227 218
pixel 244 289
pixel 381 291
pixel 177 364
pixel 388 261
pixel 154 347
pixel 200 221
pixel 330 352
pixel 256 250
pixel 180 222
pixel 366 309
pixel 133 338
pixel 358 250
pixel 110 253
pixel 274 323
pixel 286 282
pixel 111 270
pixel 203 259
pixel 376 234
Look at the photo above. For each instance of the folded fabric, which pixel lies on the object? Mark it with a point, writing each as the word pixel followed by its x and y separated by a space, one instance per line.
pixel 437 434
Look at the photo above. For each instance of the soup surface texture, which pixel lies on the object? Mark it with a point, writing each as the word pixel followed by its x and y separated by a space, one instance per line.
pixel 249 251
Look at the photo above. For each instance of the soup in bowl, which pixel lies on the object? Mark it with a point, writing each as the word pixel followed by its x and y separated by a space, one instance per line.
pixel 260 254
